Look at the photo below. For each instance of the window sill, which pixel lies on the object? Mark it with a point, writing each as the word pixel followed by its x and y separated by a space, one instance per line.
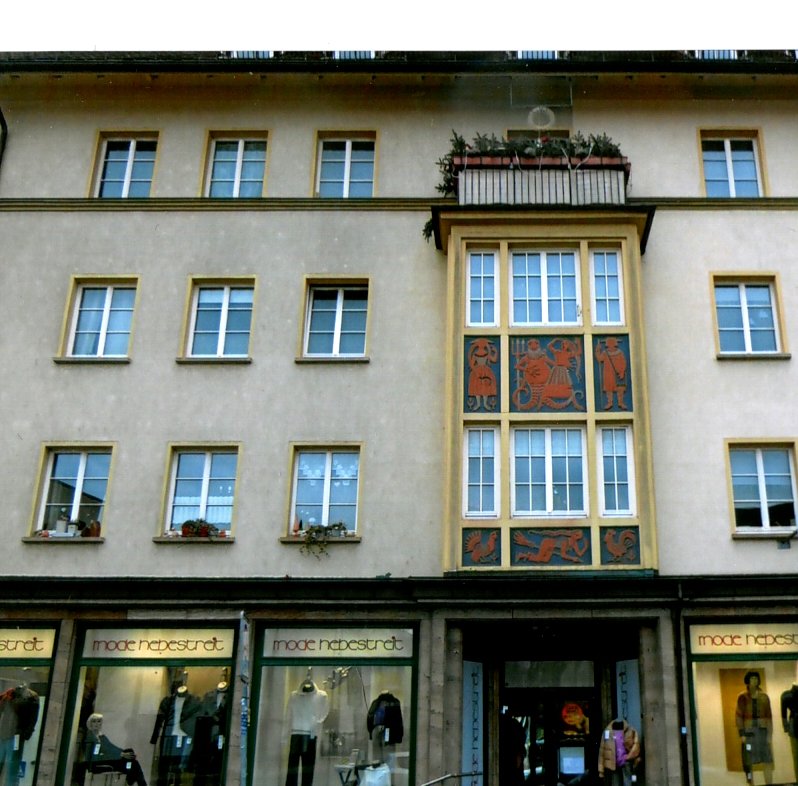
pixel 178 540
pixel 332 359
pixel 295 540
pixel 753 355
pixel 189 361
pixel 89 359
pixel 773 533
pixel 71 539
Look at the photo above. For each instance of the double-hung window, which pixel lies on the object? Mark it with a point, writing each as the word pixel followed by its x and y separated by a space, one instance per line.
pixel 746 317
pixel 544 288
pixel 763 487
pixel 607 288
pixel 75 488
pixel 335 324
pixel 202 487
pixel 481 482
pixel 481 289
pixel 731 167
pixel 101 321
pixel 325 488
pixel 221 317
pixel 237 168
pixel 127 168
pixel 616 478
pixel 549 472
pixel 345 168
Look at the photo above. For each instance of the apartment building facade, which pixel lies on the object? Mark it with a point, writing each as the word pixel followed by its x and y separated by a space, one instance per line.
pixel 361 409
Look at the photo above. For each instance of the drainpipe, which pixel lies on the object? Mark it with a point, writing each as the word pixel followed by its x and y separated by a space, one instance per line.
pixel 676 619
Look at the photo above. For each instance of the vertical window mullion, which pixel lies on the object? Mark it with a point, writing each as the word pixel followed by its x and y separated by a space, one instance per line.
pixel 131 156
pixel 239 167
pixel 746 318
pixel 109 293
pixel 223 321
pixel 347 167
pixel 75 509
pixel 206 479
pixel 339 317
pixel 729 167
pixel 325 503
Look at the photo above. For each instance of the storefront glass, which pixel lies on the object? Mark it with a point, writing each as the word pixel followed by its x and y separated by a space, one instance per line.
pixel 25 657
pixel 152 705
pixel 336 708
pixel 745 701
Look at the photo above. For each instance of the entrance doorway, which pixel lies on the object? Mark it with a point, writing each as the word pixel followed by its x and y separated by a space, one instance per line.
pixel 558 728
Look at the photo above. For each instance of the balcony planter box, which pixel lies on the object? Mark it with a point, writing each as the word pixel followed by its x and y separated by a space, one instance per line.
pixel 549 180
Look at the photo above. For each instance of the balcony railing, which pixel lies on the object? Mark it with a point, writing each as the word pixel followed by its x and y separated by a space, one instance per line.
pixel 578 182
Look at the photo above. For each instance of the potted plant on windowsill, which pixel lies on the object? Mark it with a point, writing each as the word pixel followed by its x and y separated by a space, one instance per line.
pixel 315 537
pixel 198 528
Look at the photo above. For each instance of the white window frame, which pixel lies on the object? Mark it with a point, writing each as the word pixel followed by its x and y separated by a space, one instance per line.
pixel 593 280
pixel 106 315
pixel 727 140
pixel 545 298
pixel 242 144
pixel 84 453
pixel 630 473
pixel 761 478
pixel 483 512
pixel 480 299
pixel 742 289
pixel 133 143
pixel 341 290
pixel 328 480
pixel 222 334
pixel 549 512
pixel 347 182
pixel 206 481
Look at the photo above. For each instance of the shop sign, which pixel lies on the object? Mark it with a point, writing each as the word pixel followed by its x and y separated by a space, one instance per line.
pixel 337 642
pixel 24 643
pixel 140 643
pixel 754 638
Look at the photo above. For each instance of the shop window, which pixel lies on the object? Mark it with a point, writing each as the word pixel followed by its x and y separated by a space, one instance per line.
pixel 159 698
pixel 747 316
pixel 731 165
pixel 763 488
pixel 25 669
pixel 335 706
pixel 74 490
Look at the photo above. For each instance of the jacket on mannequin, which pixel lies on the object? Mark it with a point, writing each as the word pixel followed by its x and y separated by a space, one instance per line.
pixel 385 713
pixel 608 753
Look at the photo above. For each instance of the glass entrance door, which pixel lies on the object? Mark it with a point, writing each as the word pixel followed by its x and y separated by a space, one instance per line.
pixel 547 736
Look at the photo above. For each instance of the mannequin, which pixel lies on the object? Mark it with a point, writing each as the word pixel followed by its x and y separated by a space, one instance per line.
pixel 209 736
pixel 307 708
pixel 19 711
pixel 789 721
pixel 384 719
pixel 98 754
pixel 619 753
pixel 174 727
pixel 754 722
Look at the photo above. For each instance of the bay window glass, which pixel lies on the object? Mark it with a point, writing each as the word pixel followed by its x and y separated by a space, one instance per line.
pixel 481 469
pixel 549 472
pixel 545 288
pixel 481 285
pixel 607 292
pixel 616 468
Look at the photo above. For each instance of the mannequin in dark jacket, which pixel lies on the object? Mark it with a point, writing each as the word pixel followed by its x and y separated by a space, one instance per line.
pixel 385 718
pixel 19 711
pixel 174 733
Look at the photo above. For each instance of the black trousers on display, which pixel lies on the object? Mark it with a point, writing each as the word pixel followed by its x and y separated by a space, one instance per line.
pixel 301 749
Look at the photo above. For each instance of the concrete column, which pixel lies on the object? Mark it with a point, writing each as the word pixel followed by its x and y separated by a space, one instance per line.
pixel 453 700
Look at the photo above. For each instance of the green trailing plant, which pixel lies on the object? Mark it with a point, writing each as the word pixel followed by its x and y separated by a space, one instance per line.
pixel 316 537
